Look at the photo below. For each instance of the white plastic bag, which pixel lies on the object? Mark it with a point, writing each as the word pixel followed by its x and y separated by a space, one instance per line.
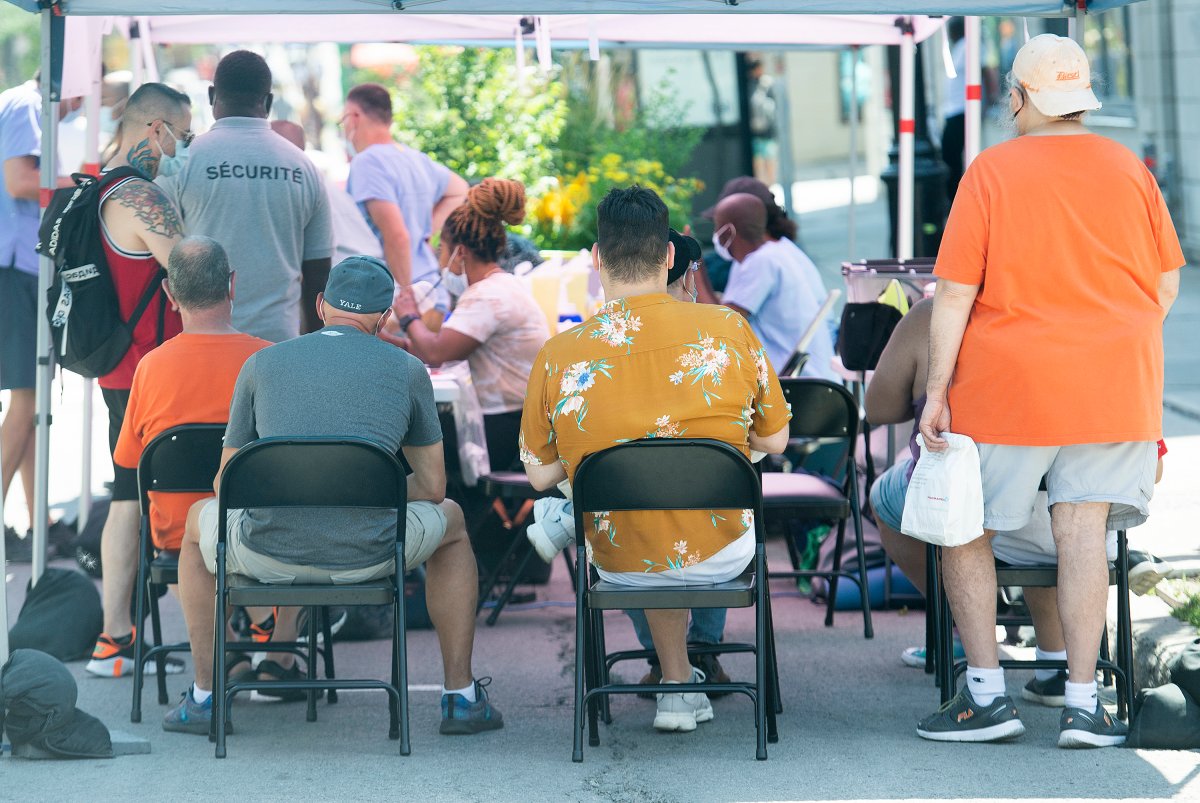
pixel 944 503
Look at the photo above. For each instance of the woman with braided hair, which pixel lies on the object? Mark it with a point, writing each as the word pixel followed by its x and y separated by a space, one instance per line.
pixel 496 326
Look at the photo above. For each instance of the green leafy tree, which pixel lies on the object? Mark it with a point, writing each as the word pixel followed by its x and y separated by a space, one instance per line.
pixel 20 33
pixel 468 110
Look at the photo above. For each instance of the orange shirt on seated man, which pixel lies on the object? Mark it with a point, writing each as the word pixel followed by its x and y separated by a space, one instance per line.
pixel 187 380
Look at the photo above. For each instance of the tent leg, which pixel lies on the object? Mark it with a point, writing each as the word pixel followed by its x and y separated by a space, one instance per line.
pixel 3 588
pixel 91 165
pixel 851 222
pixel 45 363
pixel 974 107
pixel 904 217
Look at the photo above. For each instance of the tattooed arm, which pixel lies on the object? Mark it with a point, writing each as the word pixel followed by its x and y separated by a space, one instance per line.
pixel 140 217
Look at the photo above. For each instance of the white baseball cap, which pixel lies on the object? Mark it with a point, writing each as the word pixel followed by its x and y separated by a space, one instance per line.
pixel 1054 71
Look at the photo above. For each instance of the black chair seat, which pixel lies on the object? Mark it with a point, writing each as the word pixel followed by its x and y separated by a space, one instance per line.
pixel 1037 576
pixel 737 593
pixel 813 495
pixel 245 591
pixel 164 569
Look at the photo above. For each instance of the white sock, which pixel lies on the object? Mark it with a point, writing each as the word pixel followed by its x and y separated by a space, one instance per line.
pixel 199 695
pixel 1045 655
pixel 468 693
pixel 1081 695
pixel 985 684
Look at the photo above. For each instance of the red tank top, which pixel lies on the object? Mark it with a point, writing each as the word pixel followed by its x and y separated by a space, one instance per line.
pixel 132 273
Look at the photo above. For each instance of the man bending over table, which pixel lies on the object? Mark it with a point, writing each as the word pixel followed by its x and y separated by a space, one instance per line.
pixel 340 381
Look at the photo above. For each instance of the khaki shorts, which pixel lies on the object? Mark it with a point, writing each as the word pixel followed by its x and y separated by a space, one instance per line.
pixel 1119 473
pixel 423 534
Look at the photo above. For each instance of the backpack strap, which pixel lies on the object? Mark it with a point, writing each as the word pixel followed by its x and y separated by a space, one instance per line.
pixel 155 286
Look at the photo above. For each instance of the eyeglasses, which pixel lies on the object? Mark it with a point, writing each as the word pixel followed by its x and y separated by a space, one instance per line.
pixel 185 137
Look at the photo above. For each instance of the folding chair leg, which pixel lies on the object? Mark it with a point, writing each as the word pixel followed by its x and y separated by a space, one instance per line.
pixel 602 668
pixel 513 582
pixel 401 636
pixel 864 589
pixel 838 545
pixel 595 671
pixel 160 659
pixel 220 701
pixel 946 637
pixel 394 700
pixel 789 538
pixel 762 696
pixel 310 662
pixel 776 691
pixel 135 711
pixel 580 657
pixel 1124 628
pixel 328 653
pixel 931 625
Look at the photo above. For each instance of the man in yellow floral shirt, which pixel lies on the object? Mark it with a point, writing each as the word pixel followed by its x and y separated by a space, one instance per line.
pixel 648 366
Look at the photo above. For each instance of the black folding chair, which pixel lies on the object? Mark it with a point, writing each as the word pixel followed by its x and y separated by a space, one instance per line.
pixel 313 473
pixel 511 485
pixel 1037 577
pixel 823 413
pixel 182 459
pixel 669 474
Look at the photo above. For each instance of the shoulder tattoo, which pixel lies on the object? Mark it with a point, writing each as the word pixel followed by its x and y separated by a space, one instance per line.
pixel 150 206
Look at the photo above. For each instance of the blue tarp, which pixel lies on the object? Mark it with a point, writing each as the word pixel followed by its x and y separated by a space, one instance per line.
pixel 1027 8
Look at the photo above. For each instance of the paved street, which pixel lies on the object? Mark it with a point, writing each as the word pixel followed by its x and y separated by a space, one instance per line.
pixel 846 734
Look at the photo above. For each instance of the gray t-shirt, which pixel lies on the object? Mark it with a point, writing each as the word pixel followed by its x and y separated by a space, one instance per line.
pixel 338 382
pixel 264 200
pixel 410 180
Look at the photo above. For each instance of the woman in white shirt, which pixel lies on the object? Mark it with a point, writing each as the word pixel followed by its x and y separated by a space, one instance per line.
pixel 496 325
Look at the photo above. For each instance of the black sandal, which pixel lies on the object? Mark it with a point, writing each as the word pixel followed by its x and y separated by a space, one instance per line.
pixel 277 672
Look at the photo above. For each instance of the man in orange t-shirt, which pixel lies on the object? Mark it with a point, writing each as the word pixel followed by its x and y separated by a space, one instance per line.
pixel 1057 268
pixel 187 380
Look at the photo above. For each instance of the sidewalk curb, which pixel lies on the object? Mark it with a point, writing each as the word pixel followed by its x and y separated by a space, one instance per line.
pixel 1158 637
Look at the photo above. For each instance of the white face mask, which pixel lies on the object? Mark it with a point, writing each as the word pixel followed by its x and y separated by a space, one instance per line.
pixel 172 165
pixel 721 249
pixel 455 283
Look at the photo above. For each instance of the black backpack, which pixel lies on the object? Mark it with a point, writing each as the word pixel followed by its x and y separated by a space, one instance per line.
pixel 90 337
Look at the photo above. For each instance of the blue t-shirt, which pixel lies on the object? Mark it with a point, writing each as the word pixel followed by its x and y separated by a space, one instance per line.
pixel 410 180
pixel 20 135
pixel 774 287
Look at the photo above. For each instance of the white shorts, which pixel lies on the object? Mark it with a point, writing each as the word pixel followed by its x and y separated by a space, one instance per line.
pixel 424 530
pixel 730 562
pixel 1119 473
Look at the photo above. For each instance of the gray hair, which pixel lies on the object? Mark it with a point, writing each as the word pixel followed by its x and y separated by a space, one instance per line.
pixel 198 273
pixel 1011 81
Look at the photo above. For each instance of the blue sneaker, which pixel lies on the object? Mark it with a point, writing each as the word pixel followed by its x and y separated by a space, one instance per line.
pixel 461 718
pixel 915 656
pixel 192 717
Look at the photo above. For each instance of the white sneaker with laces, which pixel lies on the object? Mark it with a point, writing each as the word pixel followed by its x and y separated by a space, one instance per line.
pixel 681 712
pixel 553 529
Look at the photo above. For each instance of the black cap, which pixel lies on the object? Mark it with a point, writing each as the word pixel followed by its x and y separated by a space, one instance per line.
pixel 687 251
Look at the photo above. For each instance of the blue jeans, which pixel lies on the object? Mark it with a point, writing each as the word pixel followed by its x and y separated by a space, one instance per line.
pixel 707 626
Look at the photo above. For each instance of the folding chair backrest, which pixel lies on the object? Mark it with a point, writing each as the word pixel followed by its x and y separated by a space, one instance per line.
pixel 667 474
pixel 313 472
pixel 182 459
pixel 820 409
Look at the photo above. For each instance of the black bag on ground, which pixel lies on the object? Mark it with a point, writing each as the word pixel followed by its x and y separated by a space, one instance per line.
pixel 1164 718
pixel 371 622
pixel 1185 670
pixel 62 616
pixel 90 337
pixel 864 331
pixel 39 695
pixel 87 543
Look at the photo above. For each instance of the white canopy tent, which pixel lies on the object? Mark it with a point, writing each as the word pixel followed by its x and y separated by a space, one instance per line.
pixel 738 24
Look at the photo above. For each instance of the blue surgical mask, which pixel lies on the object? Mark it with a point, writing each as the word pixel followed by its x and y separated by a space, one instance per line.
pixel 455 283
pixel 172 165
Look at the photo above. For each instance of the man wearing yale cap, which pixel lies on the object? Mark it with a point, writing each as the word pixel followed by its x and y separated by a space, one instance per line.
pixel 1057 268
pixel 340 381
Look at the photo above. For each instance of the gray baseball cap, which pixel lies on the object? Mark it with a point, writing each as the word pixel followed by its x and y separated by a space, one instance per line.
pixel 360 284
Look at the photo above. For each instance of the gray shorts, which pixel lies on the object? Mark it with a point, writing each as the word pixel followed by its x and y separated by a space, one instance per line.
pixel 1119 473
pixel 1031 545
pixel 18 329
pixel 423 533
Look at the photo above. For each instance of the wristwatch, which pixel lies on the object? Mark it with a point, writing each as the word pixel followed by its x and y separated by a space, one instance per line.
pixel 406 321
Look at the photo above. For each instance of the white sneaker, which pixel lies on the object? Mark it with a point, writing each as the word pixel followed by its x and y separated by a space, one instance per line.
pixel 681 712
pixel 553 529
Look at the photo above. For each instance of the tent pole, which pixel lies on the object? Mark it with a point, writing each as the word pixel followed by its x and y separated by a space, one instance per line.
pixel 783 124
pixel 1075 23
pixel 45 363
pixel 974 108
pixel 3 588
pixel 851 244
pixel 907 127
pixel 91 165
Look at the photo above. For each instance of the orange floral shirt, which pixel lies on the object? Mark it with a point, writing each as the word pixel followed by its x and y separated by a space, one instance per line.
pixel 651 367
